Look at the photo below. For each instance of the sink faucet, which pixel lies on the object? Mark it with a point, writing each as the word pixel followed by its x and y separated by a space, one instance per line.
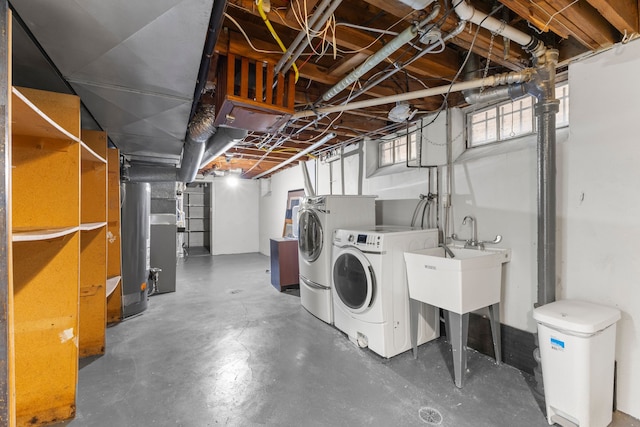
pixel 473 240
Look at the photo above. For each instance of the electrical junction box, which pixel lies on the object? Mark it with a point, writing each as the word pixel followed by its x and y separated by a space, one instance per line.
pixel 432 137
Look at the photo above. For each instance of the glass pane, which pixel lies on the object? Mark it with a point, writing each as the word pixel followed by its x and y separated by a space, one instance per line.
pixel 400 150
pixel 516 118
pixel 385 156
pixel 562 94
pixel 350 280
pixel 413 146
pixel 483 127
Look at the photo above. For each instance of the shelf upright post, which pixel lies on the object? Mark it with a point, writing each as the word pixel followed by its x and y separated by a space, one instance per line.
pixel 6 382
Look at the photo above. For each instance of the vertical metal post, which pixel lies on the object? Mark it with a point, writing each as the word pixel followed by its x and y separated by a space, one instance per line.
pixel 546 110
pixel 5 215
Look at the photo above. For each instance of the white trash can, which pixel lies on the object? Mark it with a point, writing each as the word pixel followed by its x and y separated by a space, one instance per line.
pixel 577 341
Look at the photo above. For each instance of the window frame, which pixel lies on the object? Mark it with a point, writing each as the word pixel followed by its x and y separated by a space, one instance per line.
pixel 401 142
pixel 499 118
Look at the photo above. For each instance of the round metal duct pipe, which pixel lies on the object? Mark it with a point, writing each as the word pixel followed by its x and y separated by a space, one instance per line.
pixel 224 139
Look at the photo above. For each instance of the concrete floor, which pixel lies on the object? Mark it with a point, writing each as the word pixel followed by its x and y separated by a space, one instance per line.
pixel 228 349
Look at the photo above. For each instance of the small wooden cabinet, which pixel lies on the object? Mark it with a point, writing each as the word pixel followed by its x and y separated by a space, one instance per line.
pixel 284 263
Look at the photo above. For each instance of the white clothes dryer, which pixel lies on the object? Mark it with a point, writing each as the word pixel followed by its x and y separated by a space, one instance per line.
pixel 370 290
pixel 317 218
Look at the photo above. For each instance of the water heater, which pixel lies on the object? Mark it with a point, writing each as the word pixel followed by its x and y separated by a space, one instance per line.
pixel 136 208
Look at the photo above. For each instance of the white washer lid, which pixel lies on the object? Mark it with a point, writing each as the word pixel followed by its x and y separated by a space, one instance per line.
pixel 576 316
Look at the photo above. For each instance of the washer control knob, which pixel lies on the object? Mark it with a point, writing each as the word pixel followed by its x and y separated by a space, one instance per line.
pixel 351 238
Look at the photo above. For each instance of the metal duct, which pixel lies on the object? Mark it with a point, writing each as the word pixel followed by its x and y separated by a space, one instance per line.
pixel 215 26
pixel 308 187
pixel 496 94
pixel 201 128
pixel 144 173
pixel 224 139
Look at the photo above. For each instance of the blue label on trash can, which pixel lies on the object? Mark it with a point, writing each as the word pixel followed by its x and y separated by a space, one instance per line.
pixel 557 344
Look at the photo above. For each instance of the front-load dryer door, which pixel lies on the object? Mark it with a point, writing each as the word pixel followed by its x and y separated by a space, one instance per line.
pixel 354 280
pixel 310 235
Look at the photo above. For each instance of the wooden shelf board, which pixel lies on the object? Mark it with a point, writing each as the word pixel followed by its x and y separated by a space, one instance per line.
pixel 92 225
pixel 30 120
pixel 112 284
pixel 26 234
pixel 89 155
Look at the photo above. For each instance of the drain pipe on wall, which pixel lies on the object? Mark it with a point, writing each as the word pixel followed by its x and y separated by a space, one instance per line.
pixel 542 87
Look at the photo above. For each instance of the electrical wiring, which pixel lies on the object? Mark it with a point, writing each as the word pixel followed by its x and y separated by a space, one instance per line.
pixel 230 18
pixel 264 17
pixel 551 17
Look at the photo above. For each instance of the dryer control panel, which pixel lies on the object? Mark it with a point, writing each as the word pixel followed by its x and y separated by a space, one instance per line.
pixel 385 238
pixel 360 239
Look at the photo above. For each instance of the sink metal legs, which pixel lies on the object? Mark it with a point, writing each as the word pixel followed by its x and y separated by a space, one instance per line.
pixel 494 318
pixel 414 311
pixel 457 329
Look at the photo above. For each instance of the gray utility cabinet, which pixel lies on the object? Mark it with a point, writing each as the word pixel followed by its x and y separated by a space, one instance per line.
pixel 163 250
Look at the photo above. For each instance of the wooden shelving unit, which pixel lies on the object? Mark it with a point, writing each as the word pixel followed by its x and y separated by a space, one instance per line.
pixel 93 243
pixel 60 229
pixel 46 253
pixel 114 282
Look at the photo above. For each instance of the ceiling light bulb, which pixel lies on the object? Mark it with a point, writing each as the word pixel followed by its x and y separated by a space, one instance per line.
pixel 232 181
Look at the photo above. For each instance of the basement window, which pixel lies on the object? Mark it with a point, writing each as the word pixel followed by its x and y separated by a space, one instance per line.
pixel 511 119
pixel 394 150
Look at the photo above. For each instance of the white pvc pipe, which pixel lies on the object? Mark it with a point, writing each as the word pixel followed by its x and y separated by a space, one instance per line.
pixel 507 78
pixel 307 150
pixel 466 12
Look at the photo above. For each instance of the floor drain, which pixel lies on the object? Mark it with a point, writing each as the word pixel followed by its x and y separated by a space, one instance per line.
pixel 236 291
pixel 430 416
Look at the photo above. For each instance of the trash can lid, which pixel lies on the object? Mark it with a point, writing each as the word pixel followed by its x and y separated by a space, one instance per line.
pixel 576 316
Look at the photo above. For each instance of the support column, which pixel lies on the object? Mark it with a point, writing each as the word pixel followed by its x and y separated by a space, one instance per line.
pixel 6 399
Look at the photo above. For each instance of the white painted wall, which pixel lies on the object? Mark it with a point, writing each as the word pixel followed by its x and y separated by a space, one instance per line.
pixel 598 247
pixel 235 217
pixel 600 211
pixel 273 205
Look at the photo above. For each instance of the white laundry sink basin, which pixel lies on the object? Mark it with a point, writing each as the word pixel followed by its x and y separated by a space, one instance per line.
pixel 469 281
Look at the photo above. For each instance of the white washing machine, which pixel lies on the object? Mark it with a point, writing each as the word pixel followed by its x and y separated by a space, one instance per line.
pixel 370 291
pixel 317 218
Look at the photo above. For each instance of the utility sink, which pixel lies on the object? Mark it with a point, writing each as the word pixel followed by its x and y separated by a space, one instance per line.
pixel 469 281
